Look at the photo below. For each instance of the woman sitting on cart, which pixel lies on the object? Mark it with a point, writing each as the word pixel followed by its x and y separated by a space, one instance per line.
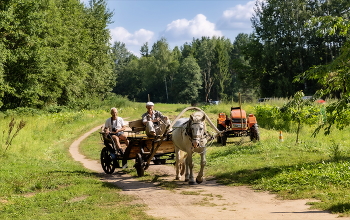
pixel 152 118
pixel 114 127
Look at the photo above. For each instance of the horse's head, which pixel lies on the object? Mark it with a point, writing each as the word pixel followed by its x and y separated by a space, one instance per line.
pixel 197 126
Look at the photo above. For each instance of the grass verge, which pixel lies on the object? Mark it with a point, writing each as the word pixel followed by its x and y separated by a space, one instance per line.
pixel 39 179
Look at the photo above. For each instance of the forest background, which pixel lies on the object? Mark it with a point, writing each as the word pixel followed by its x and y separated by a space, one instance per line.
pixel 57 53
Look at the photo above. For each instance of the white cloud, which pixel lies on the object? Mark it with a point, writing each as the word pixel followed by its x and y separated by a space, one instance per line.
pixel 138 38
pixel 183 29
pixel 132 41
pixel 237 17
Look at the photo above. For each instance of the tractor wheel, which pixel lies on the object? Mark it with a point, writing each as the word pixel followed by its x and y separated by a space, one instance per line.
pixel 139 165
pixel 223 139
pixel 108 159
pixel 254 133
pixel 220 128
pixel 219 139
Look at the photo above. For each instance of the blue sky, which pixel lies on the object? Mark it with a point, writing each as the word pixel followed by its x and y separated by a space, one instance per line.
pixel 138 21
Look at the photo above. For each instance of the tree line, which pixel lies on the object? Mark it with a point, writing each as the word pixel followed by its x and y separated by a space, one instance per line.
pixel 285 43
pixel 57 52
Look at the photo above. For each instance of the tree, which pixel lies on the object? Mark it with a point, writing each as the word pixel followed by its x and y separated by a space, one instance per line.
pixel 205 54
pixel 100 79
pixel 290 47
pixel 244 77
pixel 55 53
pixel 173 70
pixel 144 50
pixel 188 81
pixel 121 57
pixel 300 110
pixel 334 76
pixel 223 51
pixel 130 81
pixel 161 52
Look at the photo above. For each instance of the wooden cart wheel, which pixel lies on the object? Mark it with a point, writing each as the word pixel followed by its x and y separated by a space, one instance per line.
pixel 108 160
pixel 139 165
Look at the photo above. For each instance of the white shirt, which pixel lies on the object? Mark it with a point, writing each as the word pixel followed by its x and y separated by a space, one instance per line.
pixel 118 123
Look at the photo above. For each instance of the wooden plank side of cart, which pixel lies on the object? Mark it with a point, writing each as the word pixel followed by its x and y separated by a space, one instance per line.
pixel 135 148
pixel 136 141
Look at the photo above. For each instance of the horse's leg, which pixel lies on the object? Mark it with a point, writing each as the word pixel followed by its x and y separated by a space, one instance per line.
pixel 182 163
pixel 177 163
pixel 189 163
pixel 187 166
pixel 199 178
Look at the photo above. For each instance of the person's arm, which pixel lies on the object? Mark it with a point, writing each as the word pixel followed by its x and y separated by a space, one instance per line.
pixel 123 128
pixel 164 118
pixel 144 118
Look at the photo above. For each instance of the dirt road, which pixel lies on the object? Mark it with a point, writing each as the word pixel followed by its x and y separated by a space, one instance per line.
pixel 208 200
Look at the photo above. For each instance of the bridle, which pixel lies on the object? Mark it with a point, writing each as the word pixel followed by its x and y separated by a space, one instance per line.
pixel 189 131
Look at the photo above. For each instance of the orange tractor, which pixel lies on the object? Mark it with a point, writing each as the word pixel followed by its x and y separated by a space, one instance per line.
pixel 237 125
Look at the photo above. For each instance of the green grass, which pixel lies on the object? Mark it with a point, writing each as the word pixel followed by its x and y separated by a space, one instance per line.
pixel 315 168
pixel 39 179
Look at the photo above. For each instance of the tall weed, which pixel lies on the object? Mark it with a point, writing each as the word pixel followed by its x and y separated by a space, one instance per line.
pixel 7 137
pixel 336 153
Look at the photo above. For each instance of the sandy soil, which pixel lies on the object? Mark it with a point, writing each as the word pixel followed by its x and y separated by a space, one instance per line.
pixel 208 200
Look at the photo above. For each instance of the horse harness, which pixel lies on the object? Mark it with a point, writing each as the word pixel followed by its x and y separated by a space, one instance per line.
pixel 188 131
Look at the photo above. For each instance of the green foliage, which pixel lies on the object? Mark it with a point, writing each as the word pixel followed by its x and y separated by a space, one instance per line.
pixel 11 134
pixel 333 76
pixel 270 117
pixel 336 152
pixel 284 47
pixel 55 53
pixel 160 72
pixel 188 81
pixel 301 111
pixel 292 115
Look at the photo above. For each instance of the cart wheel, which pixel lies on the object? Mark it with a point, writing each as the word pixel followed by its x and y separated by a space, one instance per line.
pixel 139 165
pixel 107 160
pixel 254 133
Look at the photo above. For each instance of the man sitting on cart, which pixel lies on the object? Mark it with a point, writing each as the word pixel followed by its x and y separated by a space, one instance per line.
pixel 114 127
pixel 156 123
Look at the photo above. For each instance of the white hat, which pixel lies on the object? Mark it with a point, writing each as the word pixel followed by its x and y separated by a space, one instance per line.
pixel 149 103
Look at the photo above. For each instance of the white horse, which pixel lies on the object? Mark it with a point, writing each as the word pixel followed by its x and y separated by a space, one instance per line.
pixel 189 136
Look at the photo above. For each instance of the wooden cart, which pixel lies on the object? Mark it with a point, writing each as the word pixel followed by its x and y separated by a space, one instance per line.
pixel 142 149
